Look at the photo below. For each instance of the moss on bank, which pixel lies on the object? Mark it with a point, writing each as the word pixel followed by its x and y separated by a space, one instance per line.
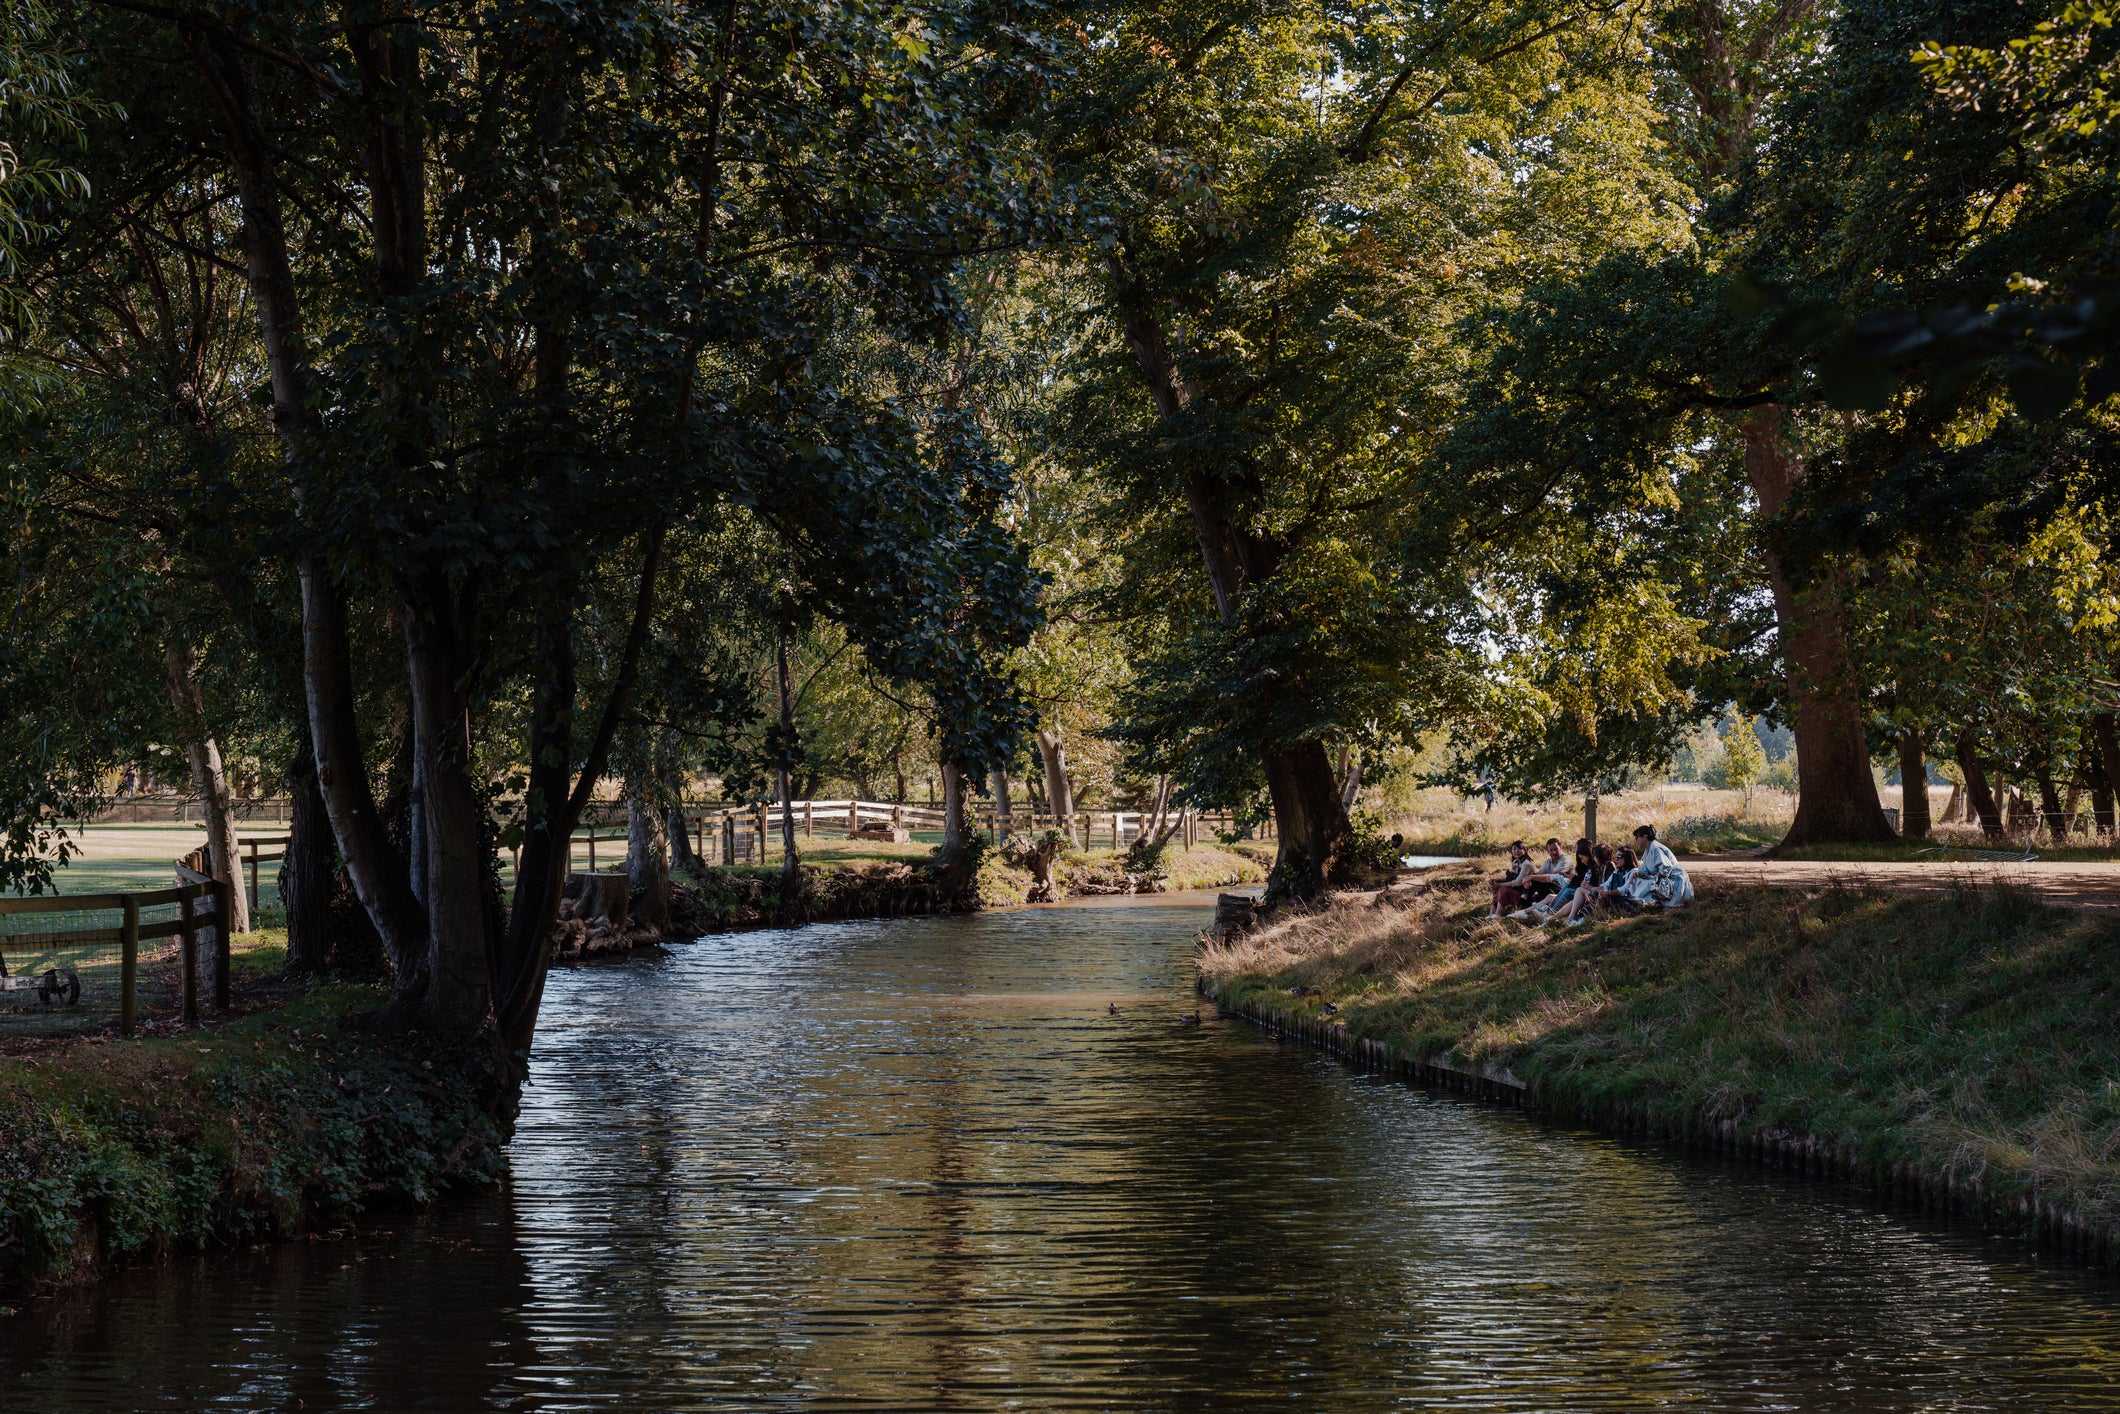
pixel 272 1125
pixel 1968 1039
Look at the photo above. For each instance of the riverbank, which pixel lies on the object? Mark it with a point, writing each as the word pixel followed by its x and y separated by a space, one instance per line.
pixel 733 898
pixel 277 1124
pixel 1956 1047
pixel 1084 874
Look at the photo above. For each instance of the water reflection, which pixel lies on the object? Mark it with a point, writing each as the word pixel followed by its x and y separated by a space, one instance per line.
pixel 918 1165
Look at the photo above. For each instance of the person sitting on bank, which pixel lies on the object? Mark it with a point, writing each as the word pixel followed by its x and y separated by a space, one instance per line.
pixel 1659 882
pixel 1551 875
pixel 1655 884
pixel 1509 884
pixel 1570 880
pixel 1618 867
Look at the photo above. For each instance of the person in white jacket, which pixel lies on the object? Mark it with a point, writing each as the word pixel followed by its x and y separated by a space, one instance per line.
pixel 1658 881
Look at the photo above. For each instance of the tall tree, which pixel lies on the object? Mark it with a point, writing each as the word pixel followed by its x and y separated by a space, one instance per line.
pixel 487 387
pixel 1299 205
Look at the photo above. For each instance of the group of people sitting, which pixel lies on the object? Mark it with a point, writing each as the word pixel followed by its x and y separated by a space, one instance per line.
pixel 1602 882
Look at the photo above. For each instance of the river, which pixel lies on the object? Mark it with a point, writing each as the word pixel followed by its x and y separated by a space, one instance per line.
pixel 921 1165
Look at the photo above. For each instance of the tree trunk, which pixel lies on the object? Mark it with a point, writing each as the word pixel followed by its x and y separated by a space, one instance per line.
pixel 2050 801
pixel 459 953
pixel 1160 813
pixel 1976 786
pixel 1913 785
pixel 2097 768
pixel 2105 784
pixel 953 832
pixel 209 781
pixel 1059 790
pixel 952 868
pixel 1311 826
pixel 683 860
pixel 1836 794
pixel 1954 806
pixel 542 860
pixel 1311 823
pixel 1004 811
pixel 790 862
pixel 647 862
pixel 1350 780
pixel 307 876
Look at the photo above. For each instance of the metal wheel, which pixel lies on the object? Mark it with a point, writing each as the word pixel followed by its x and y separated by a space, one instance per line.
pixel 57 986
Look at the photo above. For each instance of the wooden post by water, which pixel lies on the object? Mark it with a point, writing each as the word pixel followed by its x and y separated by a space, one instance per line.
pixel 222 912
pixel 808 811
pixel 250 847
pixel 592 849
pixel 128 964
pixel 188 954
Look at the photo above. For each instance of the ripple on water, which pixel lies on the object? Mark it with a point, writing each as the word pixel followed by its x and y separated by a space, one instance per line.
pixel 917 1165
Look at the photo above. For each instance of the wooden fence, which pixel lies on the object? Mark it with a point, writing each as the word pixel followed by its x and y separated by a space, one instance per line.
pixel 131 932
pixel 743 834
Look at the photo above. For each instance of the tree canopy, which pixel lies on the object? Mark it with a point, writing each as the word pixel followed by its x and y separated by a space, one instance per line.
pixel 447 414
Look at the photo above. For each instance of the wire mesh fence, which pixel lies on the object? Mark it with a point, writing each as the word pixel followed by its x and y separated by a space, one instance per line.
pixel 107 961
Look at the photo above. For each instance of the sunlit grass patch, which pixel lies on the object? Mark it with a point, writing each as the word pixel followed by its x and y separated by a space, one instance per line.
pixel 1971 1031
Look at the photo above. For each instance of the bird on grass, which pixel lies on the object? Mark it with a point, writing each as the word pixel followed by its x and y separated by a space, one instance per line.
pixel 1191 1018
pixel 1330 1009
pixel 1111 1008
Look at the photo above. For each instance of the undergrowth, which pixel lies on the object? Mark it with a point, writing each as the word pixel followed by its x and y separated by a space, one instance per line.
pixel 274 1124
pixel 1973 1032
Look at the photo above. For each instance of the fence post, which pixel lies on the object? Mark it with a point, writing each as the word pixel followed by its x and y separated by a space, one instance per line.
pixel 128 964
pixel 221 914
pixel 592 849
pixel 188 954
pixel 807 812
pixel 250 847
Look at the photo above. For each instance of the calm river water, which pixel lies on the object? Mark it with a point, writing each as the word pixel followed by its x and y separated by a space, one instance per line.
pixel 918 1165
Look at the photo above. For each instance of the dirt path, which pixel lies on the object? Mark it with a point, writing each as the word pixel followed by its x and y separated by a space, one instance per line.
pixel 2076 885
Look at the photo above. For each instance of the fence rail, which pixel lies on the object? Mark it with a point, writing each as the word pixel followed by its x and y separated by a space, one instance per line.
pixel 741 834
pixel 88 967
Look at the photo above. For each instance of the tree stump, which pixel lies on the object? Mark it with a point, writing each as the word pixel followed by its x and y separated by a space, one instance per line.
pixel 598 897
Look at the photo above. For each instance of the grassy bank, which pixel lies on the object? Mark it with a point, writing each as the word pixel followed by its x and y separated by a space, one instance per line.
pixel 1964 1044
pixel 274 1124
pixel 1078 872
